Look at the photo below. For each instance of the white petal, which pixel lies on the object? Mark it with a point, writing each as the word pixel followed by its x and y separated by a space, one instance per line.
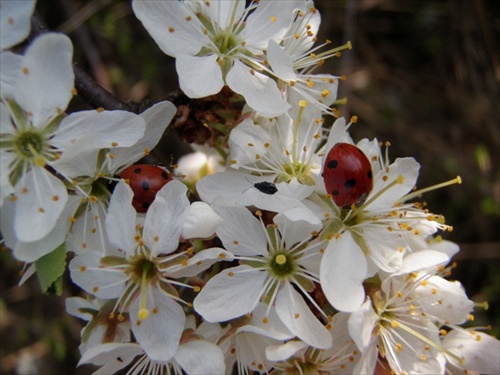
pixel 361 324
pixel 271 20
pixel 167 22
pixel 402 168
pixel 82 135
pixel 31 251
pixel 200 357
pixel 367 362
pixel 46 80
pixel 121 219
pixel 94 130
pixel 284 351
pixel 266 323
pixel 41 199
pixel 280 62
pixel 6 188
pixel 157 119
pixel 11 69
pixel 260 92
pixel 223 12
pixel 423 260
pixel 199 76
pixel 299 319
pixel 447 247
pixel 160 332
pixel 247 143
pixel 337 134
pixel 228 184
pixel 112 356
pixel 342 272
pixel 381 247
pixel 15 22
pixel 299 228
pixel 201 221
pixel 479 350
pixel 88 232
pixel 199 262
pixel 231 293
pixel 211 332
pixel 445 299
pixel 97 333
pixel 88 273
pixel 165 218
pixel 80 307
pixel 241 232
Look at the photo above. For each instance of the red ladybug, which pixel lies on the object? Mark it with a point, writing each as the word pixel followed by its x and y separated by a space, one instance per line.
pixel 347 173
pixel 145 181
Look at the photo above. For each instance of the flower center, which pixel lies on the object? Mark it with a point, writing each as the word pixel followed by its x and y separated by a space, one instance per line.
pixel 226 43
pixel 301 171
pixel 100 190
pixel 30 145
pixel 143 268
pixel 282 265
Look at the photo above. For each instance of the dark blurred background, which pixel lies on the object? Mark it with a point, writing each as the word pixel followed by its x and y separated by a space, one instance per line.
pixel 423 75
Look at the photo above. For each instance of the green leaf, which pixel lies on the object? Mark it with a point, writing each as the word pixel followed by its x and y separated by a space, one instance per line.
pixel 50 269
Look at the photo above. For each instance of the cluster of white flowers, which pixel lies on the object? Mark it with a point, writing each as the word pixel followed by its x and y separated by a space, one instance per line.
pixel 246 259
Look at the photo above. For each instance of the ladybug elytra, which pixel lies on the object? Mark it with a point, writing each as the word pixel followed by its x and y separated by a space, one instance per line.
pixel 347 174
pixel 145 181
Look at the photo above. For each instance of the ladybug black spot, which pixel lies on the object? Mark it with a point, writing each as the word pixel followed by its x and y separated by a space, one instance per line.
pixel 332 164
pixel 370 176
pixel 350 183
pixel 164 175
pixel 145 205
pixel 266 187
pixel 335 192
pixel 145 185
pixel 137 170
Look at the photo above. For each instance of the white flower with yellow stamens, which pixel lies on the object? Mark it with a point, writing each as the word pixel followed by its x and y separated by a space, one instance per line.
pixel 401 319
pixel 294 60
pixel 92 170
pixel 277 262
pixel 374 236
pixel 142 273
pixel 35 132
pixel 219 43
pixel 286 151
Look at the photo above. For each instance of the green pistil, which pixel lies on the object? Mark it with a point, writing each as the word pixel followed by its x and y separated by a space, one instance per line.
pixel 298 170
pixel 146 267
pixel 99 189
pixel 282 265
pixel 226 43
pixel 29 144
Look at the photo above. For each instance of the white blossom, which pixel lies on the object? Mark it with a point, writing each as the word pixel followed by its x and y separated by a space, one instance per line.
pixel 217 43
pixel 142 272
pixel 401 321
pixel 273 261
